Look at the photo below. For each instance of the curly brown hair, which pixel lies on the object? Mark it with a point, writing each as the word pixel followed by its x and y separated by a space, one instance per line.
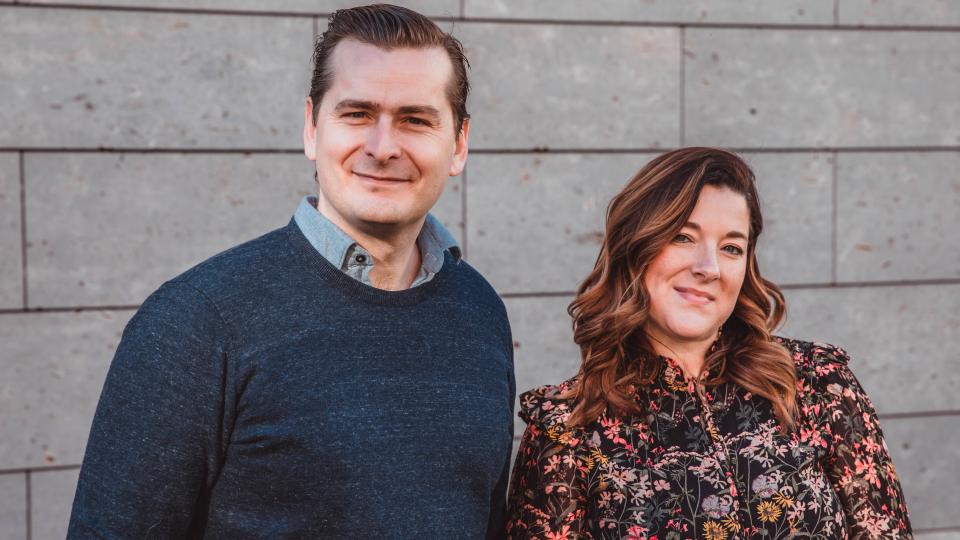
pixel 612 305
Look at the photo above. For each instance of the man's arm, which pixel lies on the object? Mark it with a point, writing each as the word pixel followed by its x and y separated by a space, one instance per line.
pixel 496 527
pixel 155 444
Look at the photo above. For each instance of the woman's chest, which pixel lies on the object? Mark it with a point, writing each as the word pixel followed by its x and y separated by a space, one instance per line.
pixel 707 466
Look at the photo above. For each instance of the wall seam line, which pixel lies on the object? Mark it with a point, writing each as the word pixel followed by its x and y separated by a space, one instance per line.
pixel 682 86
pixel 834 253
pixel 831 26
pixel 29 516
pixel 463 211
pixel 787 287
pixel 23 232
pixel 48 468
pixel 505 151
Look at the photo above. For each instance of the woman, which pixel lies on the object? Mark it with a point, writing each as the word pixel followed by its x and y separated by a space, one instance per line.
pixel 688 419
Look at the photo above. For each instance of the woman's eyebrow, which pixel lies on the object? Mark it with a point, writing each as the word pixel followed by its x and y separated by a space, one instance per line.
pixel 731 234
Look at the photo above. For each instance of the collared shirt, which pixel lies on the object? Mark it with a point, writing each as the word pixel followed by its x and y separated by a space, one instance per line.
pixel 345 253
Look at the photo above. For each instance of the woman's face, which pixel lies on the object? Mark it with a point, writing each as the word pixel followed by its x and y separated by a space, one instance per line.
pixel 695 280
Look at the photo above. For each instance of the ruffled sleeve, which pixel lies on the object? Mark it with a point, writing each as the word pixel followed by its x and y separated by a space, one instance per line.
pixel 857 462
pixel 548 489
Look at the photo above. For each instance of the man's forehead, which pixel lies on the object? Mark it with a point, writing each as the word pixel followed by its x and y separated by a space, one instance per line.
pixel 411 76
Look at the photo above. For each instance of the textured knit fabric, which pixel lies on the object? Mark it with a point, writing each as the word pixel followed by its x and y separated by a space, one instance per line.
pixel 345 253
pixel 711 463
pixel 240 404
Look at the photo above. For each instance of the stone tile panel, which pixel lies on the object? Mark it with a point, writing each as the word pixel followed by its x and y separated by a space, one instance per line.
pixel 897 216
pixel 572 86
pixel 13 506
pixel 938 535
pixel 449 208
pixel 682 11
pixel 924 451
pixel 444 8
pixel 11 267
pixel 812 88
pixel 51 501
pixel 536 221
pixel 152 80
pixel 903 341
pixel 125 223
pixel 899 12
pixel 543 347
pixel 795 197
pixel 54 365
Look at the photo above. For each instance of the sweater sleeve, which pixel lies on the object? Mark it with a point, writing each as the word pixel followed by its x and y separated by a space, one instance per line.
pixel 495 525
pixel 858 464
pixel 155 443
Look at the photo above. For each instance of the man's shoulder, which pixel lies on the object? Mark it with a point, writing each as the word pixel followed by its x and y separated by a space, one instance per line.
pixel 242 270
pixel 249 259
pixel 477 285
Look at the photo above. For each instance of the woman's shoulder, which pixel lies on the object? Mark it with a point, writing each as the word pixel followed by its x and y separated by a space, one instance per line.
pixel 823 371
pixel 548 405
pixel 814 357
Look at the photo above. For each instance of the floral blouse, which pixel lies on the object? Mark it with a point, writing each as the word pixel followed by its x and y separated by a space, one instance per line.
pixel 710 462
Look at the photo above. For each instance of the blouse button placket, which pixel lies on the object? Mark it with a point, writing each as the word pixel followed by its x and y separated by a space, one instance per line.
pixel 720 449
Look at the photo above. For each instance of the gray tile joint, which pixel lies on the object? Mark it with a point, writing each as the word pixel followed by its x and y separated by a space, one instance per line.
pixel 834 254
pixel 23 232
pixel 560 22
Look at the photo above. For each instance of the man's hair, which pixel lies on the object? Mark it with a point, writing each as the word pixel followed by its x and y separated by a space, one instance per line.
pixel 389 27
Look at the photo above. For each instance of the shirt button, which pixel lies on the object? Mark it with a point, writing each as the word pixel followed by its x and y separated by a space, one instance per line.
pixel 361 259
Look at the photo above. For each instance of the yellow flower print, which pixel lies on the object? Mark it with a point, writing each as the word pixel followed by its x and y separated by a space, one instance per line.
pixel 598 456
pixel 730 523
pixel 714 531
pixel 783 500
pixel 768 511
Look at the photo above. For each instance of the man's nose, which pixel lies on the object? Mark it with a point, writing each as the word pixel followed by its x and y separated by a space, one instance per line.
pixel 382 144
pixel 706 266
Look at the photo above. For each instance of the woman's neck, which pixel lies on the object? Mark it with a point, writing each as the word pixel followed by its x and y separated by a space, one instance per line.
pixel 690 355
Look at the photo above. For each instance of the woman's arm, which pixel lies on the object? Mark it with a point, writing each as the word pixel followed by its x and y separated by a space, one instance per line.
pixel 859 465
pixel 548 490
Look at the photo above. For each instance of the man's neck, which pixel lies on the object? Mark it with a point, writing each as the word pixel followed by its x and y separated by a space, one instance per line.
pixel 396 256
pixel 395 264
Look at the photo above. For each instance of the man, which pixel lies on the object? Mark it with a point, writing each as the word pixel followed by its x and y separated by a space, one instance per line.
pixel 345 376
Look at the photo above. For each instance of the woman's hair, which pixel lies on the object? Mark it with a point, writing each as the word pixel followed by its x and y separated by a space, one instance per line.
pixel 612 305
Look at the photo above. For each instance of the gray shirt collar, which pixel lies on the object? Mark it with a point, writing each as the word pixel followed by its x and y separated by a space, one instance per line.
pixel 341 251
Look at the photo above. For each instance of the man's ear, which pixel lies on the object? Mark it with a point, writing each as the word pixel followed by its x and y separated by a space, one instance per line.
pixel 309 132
pixel 460 150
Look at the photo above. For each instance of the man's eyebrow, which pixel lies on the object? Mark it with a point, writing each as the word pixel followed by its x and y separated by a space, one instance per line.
pixel 356 104
pixel 420 109
pixel 731 234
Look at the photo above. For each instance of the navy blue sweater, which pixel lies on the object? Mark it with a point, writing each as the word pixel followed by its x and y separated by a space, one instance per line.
pixel 264 394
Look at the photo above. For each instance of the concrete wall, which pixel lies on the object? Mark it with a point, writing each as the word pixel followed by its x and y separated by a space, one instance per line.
pixel 140 137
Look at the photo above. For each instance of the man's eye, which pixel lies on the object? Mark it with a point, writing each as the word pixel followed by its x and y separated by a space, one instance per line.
pixel 358 115
pixel 418 121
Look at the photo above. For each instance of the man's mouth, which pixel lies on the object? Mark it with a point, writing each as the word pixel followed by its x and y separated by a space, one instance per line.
pixel 379 177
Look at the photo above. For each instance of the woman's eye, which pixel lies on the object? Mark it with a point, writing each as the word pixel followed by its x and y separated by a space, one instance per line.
pixel 733 250
pixel 681 238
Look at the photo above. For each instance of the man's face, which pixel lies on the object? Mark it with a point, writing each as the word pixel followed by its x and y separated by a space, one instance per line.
pixel 384 141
